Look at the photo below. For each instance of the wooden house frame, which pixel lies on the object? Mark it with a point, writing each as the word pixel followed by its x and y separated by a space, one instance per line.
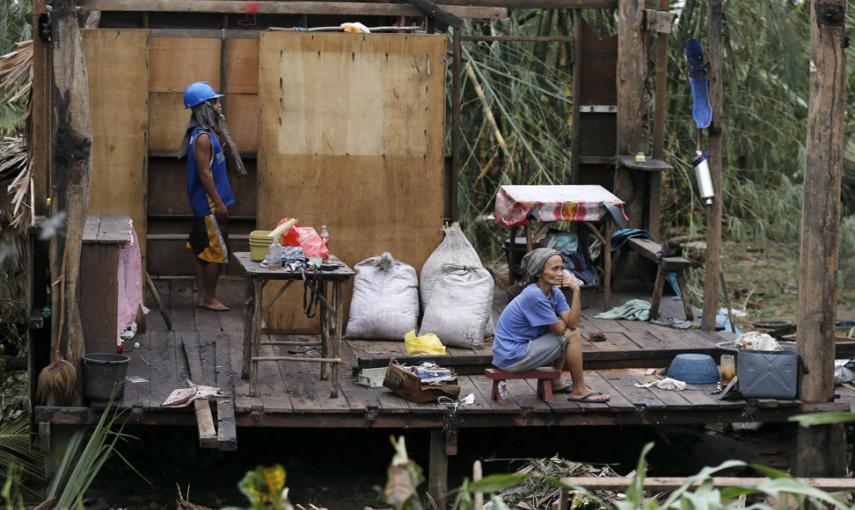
pixel 610 76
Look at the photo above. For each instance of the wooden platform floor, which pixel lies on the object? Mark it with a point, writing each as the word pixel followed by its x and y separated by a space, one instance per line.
pixel 292 394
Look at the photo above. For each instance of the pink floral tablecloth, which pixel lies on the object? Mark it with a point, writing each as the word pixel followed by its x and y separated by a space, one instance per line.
pixel 516 205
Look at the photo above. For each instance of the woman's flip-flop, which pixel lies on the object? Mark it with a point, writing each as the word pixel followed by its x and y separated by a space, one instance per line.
pixel 594 397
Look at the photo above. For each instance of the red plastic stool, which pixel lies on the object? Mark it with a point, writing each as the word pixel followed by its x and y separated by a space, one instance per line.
pixel 544 376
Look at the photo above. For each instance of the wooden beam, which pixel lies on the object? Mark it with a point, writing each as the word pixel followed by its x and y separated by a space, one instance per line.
pixel 819 449
pixel 519 38
pixel 521 4
pixel 633 104
pixel 440 14
pixel 71 168
pixel 666 484
pixel 456 122
pixel 654 209
pixel 716 149
pixel 821 209
pixel 40 122
pixel 286 7
pixel 438 469
pixel 226 428
pixel 204 418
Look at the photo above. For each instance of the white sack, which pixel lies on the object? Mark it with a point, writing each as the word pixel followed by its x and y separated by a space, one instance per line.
pixel 385 302
pixel 460 307
pixel 454 249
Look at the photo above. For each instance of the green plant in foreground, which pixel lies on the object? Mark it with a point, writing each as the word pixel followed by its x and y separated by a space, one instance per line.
pixel 84 459
pixel 264 487
pixel 698 491
pixel 403 478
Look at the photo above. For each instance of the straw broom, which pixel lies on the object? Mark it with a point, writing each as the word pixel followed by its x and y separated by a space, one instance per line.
pixel 57 382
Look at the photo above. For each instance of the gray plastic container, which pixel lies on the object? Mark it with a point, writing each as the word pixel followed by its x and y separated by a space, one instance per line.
pixel 103 372
pixel 768 374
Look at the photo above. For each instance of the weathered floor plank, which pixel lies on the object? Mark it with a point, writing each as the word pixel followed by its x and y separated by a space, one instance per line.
pixel 294 389
pixel 226 428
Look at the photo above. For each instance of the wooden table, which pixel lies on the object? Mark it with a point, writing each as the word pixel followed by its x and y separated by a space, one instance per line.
pixel 591 205
pixel 330 313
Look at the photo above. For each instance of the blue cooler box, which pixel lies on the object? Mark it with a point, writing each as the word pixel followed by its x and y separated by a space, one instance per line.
pixel 769 374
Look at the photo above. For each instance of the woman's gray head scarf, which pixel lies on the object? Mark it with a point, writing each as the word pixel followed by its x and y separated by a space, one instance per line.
pixel 202 116
pixel 534 261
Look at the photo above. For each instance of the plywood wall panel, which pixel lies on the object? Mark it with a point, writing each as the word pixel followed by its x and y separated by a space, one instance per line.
pixel 179 61
pixel 242 91
pixel 168 120
pixel 242 114
pixel 118 68
pixel 351 136
pixel 241 66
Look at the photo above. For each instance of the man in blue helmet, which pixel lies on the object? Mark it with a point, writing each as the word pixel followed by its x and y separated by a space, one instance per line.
pixel 208 190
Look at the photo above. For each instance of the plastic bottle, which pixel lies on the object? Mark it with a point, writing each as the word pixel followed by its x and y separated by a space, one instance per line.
pixel 325 236
pixel 274 256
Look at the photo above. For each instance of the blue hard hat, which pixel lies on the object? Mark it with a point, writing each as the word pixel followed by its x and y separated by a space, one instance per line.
pixel 198 92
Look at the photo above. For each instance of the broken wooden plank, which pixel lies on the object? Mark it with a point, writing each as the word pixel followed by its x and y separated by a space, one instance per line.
pixel 226 429
pixel 204 418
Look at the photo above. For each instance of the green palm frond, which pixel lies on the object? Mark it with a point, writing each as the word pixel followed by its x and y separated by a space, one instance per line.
pixel 15 448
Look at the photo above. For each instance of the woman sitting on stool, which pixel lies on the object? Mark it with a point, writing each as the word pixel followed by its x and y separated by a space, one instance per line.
pixel 539 328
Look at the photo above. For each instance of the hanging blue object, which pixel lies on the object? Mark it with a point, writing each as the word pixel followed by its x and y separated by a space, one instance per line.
pixel 700 84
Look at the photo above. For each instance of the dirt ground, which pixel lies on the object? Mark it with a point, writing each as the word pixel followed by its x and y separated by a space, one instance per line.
pixel 762 281
pixel 346 469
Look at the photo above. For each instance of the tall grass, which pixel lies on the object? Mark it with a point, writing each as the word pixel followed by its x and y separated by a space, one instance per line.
pixel 14 27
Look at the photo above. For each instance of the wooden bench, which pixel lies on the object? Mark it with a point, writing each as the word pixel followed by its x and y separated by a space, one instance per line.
pixel 652 251
pixel 544 376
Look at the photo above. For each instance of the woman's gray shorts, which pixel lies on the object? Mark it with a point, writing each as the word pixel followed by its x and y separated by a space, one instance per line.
pixel 540 352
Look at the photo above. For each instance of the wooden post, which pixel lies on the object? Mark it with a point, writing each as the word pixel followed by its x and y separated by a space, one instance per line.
pixel 40 114
pixel 821 210
pixel 438 469
pixel 72 141
pixel 716 147
pixel 456 135
pixel 633 103
pixel 654 208
pixel 818 449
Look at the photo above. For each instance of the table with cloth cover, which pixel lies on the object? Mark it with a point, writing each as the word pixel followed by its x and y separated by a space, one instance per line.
pixel 591 205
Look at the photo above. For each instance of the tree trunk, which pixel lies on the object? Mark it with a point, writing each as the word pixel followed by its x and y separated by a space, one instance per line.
pixel 72 140
pixel 821 209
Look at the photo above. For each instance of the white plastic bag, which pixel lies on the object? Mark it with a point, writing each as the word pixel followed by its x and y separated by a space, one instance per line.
pixel 460 307
pixel 385 302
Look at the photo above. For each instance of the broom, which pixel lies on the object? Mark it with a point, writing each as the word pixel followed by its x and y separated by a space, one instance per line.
pixel 57 382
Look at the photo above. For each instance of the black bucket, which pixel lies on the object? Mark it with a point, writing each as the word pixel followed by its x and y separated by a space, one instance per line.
pixel 103 372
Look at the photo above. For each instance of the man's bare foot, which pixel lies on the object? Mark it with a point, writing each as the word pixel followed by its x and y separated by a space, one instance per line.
pixel 214 304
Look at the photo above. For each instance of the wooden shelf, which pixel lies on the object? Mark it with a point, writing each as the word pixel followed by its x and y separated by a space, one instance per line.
pixel 596 160
pixel 651 165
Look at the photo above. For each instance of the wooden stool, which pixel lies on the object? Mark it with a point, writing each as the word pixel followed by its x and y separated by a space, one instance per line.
pixel 653 251
pixel 544 376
